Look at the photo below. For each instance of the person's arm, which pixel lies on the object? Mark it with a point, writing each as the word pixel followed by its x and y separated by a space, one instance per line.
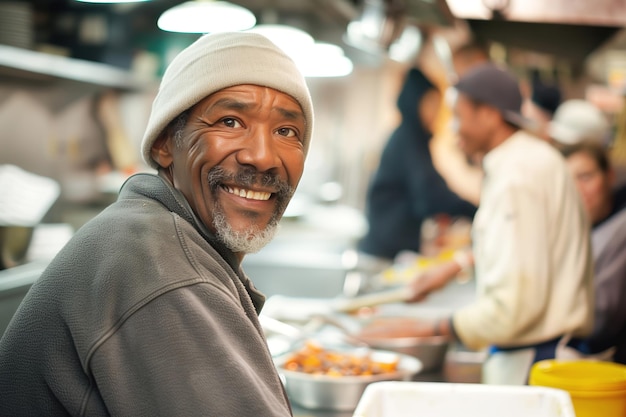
pixel 610 284
pixel 394 327
pixel 433 279
pixel 439 276
pixel 460 175
pixel 463 178
pixel 190 351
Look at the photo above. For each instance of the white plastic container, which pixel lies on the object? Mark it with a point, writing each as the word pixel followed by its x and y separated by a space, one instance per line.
pixel 438 399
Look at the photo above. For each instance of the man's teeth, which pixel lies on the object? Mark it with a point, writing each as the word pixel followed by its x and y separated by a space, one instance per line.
pixel 253 195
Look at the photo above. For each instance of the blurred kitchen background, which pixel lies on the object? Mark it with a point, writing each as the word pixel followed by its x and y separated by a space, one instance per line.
pixel 77 80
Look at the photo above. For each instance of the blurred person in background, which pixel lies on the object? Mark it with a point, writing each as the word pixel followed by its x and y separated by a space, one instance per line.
pixel 577 120
pixel 146 311
pixel 582 132
pixel 595 178
pixel 406 189
pixel 467 55
pixel 531 245
pixel 542 101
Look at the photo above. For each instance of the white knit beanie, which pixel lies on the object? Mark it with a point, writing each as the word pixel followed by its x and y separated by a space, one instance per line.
pixel 217 61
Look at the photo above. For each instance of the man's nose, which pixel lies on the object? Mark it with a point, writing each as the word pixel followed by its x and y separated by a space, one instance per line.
pixel 260 151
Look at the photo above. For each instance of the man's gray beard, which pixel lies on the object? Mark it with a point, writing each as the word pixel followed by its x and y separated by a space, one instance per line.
pixel 248 241
pixel 253 239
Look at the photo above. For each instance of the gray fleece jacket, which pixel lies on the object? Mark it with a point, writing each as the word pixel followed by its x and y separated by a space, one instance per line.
pixel 142 313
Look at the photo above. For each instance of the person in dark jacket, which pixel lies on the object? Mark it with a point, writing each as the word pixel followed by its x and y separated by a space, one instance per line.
pixel 147 311
pixel 406 189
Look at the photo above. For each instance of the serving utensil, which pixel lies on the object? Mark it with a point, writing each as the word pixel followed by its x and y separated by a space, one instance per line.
pixel 395 295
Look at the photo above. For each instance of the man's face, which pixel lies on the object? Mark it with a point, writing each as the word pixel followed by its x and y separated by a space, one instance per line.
pixel 593 184
pixel 473 126
pixel 238 162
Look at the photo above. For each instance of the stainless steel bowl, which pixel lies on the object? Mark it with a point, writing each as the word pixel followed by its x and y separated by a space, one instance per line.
pixel 342 393
pixel 14 244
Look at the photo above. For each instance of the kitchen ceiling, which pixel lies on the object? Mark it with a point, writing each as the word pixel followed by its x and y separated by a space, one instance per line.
pixel 115 33
pixel 107 32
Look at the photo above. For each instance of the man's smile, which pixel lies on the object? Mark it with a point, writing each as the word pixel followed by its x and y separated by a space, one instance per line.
pixel 249 194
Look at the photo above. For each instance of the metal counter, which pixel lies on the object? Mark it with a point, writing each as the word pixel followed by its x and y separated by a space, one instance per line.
pixel 14 284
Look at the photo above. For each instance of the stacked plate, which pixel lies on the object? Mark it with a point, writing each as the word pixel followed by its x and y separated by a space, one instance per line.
pixel 16 24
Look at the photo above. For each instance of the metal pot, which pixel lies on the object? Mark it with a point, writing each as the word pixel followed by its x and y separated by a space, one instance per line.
pixel 341 393
pixel 430 350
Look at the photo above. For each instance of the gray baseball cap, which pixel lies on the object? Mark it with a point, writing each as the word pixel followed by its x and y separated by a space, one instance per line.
pixel 496 87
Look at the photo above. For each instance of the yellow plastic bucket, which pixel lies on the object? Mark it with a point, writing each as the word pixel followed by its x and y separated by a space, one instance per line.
pixel 597 389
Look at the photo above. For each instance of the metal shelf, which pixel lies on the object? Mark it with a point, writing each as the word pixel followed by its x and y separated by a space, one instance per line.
pixel 32 65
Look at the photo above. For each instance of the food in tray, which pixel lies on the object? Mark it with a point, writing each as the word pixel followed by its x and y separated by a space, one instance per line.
pixel 312 358
pixel 408 268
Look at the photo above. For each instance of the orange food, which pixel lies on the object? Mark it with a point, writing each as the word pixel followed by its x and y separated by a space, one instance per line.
pixel 313 359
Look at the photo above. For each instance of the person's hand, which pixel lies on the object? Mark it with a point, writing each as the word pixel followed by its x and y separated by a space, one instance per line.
pixel 433 279
pixel 394 327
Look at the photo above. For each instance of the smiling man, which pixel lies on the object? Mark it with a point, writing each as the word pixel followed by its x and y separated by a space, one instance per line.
pixel 240 179
pixel 146 311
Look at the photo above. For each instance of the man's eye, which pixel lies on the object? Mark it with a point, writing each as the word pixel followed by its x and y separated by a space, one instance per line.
pixel 286 131
pixel 230 122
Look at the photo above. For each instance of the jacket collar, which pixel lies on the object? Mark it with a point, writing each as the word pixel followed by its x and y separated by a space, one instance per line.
pixel 155 187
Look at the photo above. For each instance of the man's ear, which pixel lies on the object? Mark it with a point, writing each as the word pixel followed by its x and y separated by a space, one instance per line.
pixel 161 151
pixel 493 116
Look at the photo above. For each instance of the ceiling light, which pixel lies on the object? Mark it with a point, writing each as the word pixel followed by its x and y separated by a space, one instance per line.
pixel 202 16
pixel 315 59
pixel 290 39
pixel 323 60
pixel 111 1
